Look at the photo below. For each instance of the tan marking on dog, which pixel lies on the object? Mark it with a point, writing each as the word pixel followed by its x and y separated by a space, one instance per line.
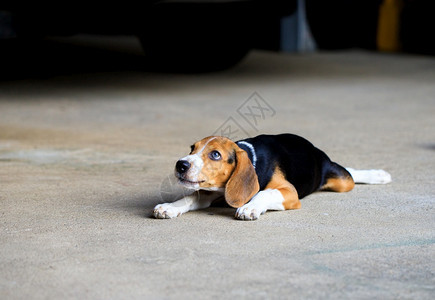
pixel 339 184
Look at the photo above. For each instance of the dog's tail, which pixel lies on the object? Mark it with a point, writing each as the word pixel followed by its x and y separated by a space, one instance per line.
pixel 370 176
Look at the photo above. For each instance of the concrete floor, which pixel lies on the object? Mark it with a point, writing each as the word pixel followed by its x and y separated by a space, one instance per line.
pixel 85 155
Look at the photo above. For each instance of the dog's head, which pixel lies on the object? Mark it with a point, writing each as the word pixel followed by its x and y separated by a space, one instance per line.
pixel 216 163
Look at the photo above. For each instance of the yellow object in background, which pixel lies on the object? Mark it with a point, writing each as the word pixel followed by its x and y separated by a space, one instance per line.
pixel 389 25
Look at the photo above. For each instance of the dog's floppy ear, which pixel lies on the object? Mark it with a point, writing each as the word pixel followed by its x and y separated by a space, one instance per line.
pixel 243 183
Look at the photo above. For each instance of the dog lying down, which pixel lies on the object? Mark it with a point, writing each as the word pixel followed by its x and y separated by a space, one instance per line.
pixel 267 172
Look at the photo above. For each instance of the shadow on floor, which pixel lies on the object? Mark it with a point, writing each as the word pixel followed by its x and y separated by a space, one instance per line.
pixel 143 206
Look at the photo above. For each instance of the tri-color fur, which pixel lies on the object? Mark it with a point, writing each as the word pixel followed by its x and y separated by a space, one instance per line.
pixel 267 172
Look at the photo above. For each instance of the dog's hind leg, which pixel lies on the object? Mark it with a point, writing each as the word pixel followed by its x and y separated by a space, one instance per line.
pixel 337 179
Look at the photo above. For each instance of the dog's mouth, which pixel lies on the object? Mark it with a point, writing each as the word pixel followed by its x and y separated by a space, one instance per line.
pixel 184 181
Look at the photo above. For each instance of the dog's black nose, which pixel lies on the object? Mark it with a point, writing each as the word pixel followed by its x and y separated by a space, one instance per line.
pixel 182 166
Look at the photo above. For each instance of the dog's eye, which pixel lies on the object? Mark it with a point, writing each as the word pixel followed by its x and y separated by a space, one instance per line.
pixel 192 148
pixel 215 155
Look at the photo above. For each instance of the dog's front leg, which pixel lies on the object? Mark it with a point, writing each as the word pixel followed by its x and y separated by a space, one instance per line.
pixel 195 201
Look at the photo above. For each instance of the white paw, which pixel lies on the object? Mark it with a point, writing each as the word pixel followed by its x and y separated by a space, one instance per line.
pixel 166 211
pixel 248 212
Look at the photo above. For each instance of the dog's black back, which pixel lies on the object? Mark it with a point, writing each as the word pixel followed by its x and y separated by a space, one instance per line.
pixel 304 166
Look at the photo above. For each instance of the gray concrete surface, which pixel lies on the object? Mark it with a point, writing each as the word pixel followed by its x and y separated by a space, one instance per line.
pixel 84 157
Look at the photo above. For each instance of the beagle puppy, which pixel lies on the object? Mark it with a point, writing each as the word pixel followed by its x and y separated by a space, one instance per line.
pixel 267 172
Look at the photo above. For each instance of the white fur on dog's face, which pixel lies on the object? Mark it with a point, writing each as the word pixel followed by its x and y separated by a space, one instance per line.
pixel 206 173
pixel 190 178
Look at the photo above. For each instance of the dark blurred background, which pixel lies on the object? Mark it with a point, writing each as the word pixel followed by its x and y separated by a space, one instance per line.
pixel 202 36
